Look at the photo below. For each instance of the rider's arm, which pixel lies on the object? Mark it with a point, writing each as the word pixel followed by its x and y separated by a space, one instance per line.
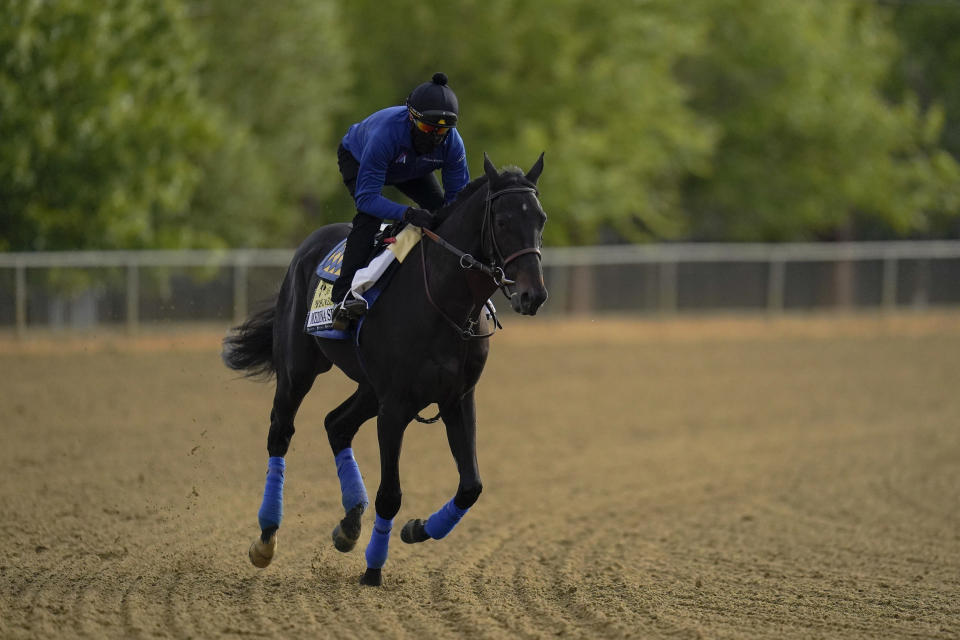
pixel 370 180
pixel 455 172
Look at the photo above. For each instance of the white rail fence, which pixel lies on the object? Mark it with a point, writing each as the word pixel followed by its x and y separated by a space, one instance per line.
pixel 38 289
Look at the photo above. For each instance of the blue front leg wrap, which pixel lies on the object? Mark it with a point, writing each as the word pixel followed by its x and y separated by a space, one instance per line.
pixel 443 521
pixel 379 543
pixel 271 510
pixel 351 482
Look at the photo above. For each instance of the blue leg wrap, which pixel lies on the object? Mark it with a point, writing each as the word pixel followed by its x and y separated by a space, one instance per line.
pixel 443 521
pixel 271 510
pixel 351 482
pixel 379 543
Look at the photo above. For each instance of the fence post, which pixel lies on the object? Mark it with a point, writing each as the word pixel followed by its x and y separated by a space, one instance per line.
pixel 668 286
pixel 240 290
pixel 559 287
pixel 133 297
pixel 21 298
pixel 889 295
pixel 775 285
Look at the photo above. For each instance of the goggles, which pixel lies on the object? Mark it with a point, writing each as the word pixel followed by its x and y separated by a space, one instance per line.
pixel 440 121
pixel 433 129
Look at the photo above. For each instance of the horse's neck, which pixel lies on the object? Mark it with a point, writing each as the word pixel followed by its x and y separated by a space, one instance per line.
pixel 463 228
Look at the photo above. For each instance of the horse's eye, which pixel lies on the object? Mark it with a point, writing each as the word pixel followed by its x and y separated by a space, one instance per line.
pixel 501 223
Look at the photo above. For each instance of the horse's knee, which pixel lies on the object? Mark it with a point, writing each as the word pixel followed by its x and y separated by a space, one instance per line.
pixel 388 503
pixel 466 497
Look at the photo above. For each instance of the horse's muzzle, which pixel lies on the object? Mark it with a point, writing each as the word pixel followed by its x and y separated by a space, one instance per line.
pixel 527 301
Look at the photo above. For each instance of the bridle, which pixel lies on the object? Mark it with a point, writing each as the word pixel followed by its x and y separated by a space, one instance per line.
pixel 494 269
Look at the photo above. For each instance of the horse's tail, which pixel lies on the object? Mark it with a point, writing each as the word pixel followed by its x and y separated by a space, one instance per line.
pixel 249 347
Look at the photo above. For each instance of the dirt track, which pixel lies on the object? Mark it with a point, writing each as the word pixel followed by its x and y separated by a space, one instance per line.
pixel 705 478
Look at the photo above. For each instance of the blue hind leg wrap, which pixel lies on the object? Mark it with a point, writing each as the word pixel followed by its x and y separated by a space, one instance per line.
pixel 351 482
pixel 443 521
pixel 271 509
pixel 379 544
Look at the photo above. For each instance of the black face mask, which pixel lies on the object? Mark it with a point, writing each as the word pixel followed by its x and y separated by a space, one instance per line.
pixel 424 143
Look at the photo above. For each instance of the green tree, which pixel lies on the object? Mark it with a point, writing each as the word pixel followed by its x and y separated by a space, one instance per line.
pixel 927 67
pixel 808 143
pixel 591 83
pixel 280 73
pixel 101 125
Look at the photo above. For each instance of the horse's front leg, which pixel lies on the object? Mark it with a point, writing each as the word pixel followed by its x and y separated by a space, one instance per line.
pixel 391 424
pixel 460 419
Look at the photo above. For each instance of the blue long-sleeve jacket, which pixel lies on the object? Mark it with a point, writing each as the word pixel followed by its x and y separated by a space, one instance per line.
pixel 382 145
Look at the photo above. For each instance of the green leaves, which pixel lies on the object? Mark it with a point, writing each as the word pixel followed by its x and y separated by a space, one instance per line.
pixel 808 144
pixel 590 83
pixel 279 74
pixel 175 123
pixel 101 117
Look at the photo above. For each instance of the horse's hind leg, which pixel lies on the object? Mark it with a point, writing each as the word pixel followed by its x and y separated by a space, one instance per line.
pixel 342 424
pixel 294 379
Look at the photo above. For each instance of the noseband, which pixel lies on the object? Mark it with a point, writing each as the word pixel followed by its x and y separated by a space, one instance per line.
pixel 497 263
pixel 488 222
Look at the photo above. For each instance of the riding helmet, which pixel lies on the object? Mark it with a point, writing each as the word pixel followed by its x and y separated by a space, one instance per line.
pixel 434 102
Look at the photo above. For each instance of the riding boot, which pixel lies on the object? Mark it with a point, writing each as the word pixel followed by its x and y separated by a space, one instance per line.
pixel 355 255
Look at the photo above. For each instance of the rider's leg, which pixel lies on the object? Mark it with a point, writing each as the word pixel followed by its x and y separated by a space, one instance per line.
pixel 355 254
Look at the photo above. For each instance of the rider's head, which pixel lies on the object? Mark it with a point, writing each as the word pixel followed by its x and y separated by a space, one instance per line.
pixel 433 112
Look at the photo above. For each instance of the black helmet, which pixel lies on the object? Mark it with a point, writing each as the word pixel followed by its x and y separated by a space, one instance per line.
pixel 434 102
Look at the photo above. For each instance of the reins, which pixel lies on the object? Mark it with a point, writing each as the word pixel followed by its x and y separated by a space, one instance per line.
pixel 467 262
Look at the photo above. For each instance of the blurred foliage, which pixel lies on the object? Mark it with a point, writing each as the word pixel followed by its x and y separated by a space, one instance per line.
pixel 281 73
pixel 214 123
pixel 808 142
pixel 927 67
pixel 101 125
pixel 589 83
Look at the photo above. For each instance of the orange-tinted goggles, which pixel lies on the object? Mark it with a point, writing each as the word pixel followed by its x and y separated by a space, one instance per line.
pixel 431 128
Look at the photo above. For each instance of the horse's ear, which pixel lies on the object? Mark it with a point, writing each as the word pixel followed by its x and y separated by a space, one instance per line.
pixel 489 169
pixel 534 174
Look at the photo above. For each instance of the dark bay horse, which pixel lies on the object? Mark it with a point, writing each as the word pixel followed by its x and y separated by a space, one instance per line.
pixel 424 341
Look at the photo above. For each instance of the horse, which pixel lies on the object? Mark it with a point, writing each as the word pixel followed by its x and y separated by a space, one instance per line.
pixel 425 341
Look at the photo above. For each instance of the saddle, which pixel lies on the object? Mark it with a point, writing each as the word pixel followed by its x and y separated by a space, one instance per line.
pixel 391 246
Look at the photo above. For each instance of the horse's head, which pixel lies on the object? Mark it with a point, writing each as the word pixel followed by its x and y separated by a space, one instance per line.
pixel 513 230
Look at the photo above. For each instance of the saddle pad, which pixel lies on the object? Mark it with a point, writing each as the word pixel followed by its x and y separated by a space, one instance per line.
pixel 329 267
pixel 367 283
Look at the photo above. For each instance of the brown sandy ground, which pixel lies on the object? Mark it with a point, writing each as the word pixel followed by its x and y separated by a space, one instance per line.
pixel 695 478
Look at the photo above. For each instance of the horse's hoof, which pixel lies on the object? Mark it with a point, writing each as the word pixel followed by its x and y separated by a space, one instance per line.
pixel 372 578
pixel 342 542
pixel 261 553
pixel 414 531
pixel 346 534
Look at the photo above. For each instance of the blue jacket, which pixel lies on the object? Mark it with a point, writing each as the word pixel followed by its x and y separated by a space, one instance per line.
pixel 382 145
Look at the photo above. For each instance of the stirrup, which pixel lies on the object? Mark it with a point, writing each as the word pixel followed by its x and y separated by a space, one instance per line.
pixel 345 312
pixel 340 320
pixel 354 308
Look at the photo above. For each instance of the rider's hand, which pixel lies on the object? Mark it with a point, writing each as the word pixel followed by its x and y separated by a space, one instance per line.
pixel 419 217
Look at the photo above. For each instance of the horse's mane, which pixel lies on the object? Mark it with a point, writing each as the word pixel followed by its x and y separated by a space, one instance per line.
pixel 474 185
